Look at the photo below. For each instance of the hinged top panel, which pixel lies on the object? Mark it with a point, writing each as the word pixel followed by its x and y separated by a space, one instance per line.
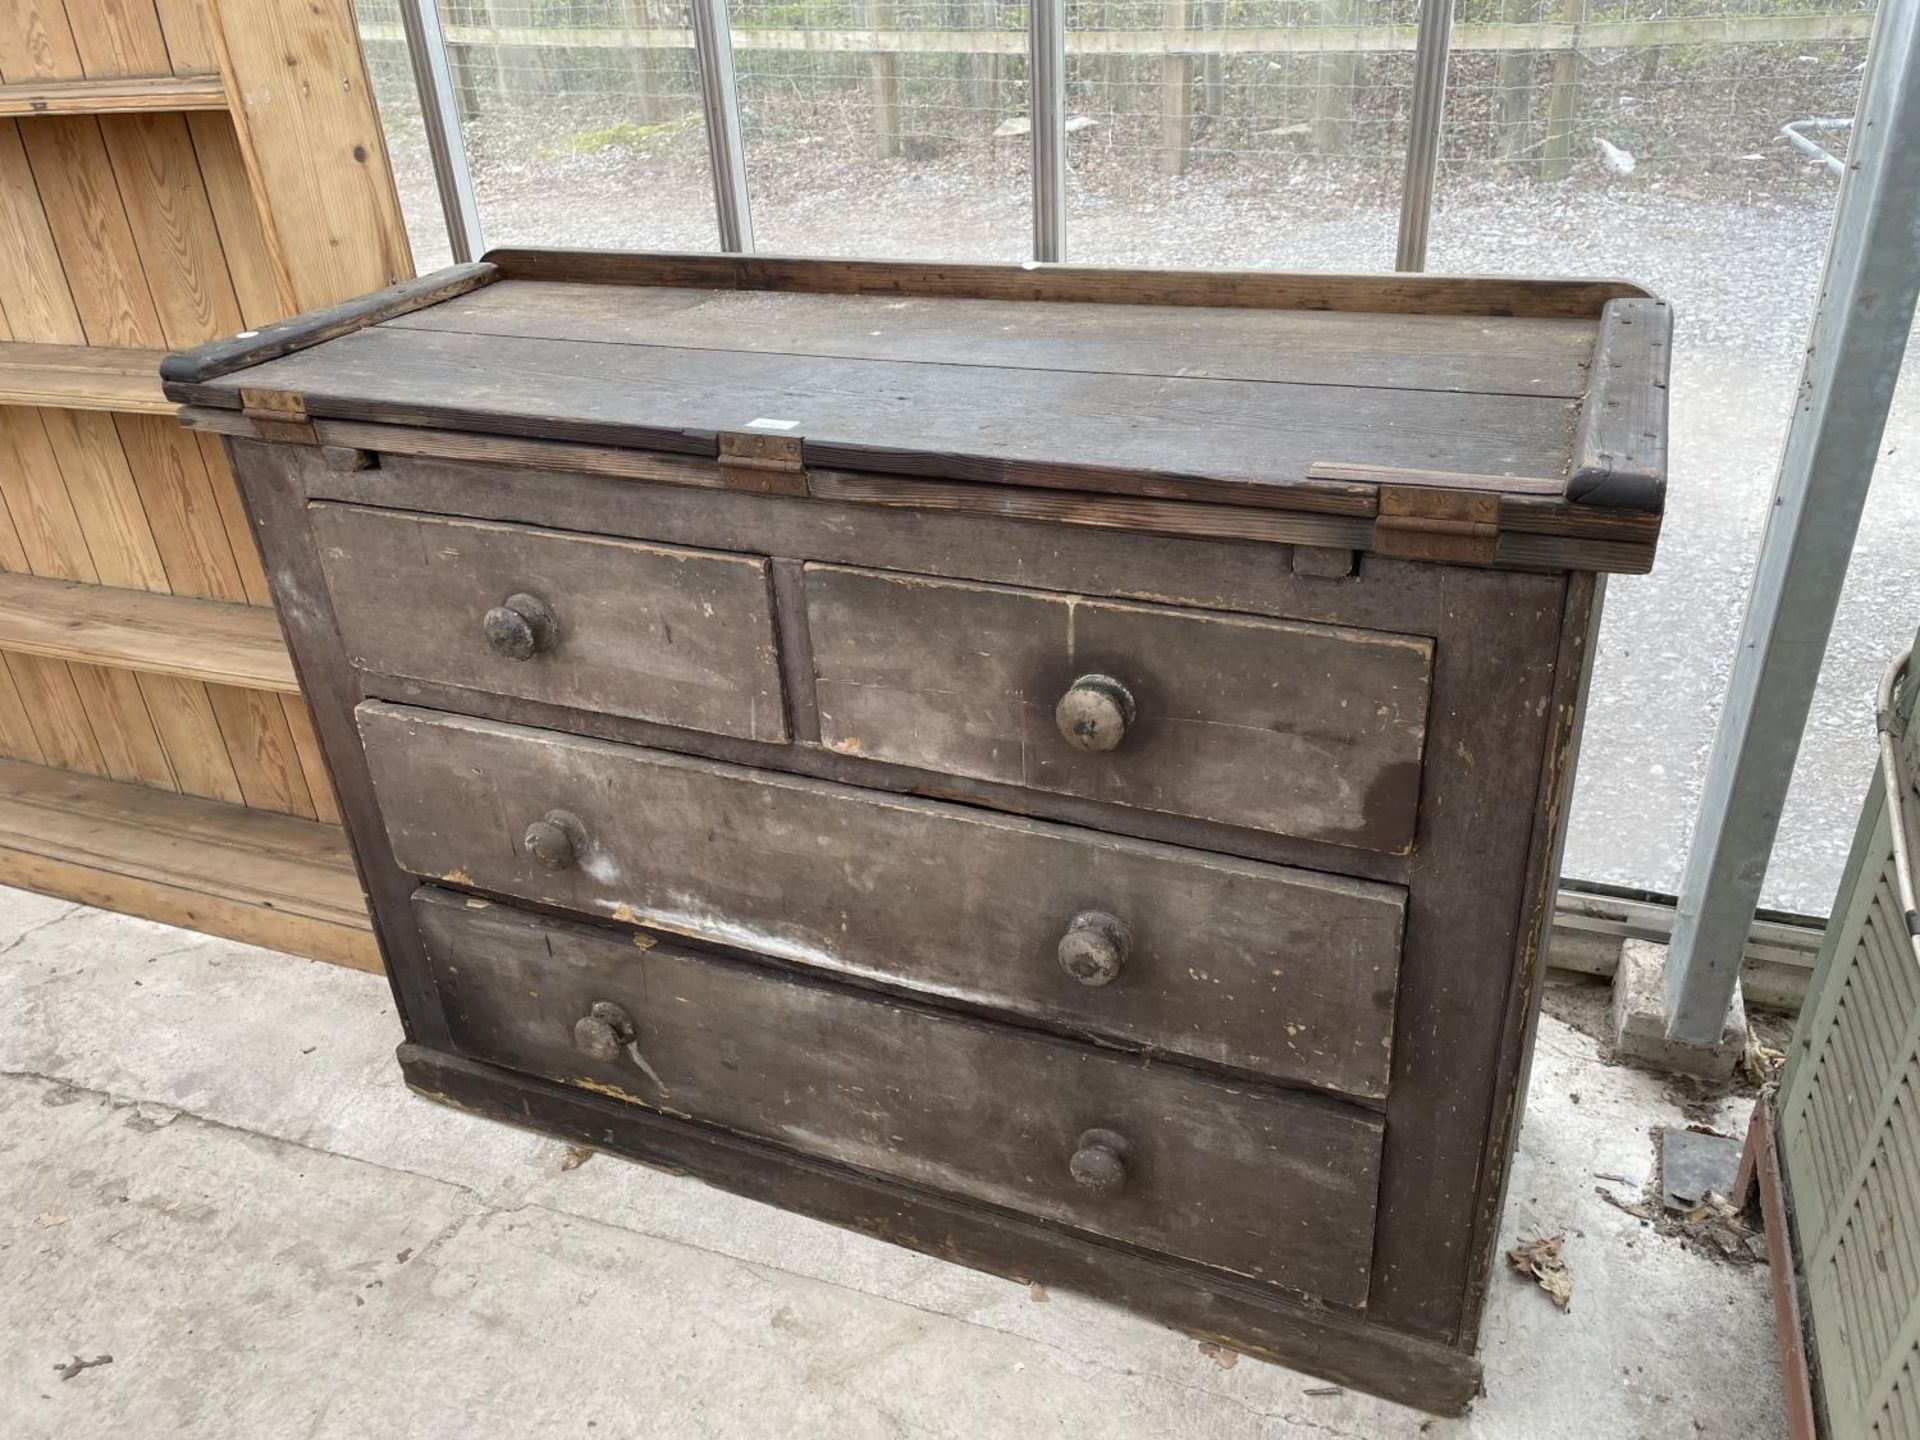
pixel 1264 390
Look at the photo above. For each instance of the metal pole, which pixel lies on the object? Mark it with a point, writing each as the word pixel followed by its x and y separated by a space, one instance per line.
pixel 433 81
pixel 720 102
pixel 1047 111
pixel 1425 110
pixel 1846 384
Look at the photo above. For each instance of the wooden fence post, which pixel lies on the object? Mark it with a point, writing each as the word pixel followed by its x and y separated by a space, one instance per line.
pixel 641 61
pixel 1176 96
pixel 1334 74
pixel 1563 100
pixel 1513 94
pixel 885 70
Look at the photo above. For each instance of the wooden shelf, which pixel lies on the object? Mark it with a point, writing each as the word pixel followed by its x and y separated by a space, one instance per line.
pixel 115 96
pixel 82 377
pixel 249 875
pixel 212 640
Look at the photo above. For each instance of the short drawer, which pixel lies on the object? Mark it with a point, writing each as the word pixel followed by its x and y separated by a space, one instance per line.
pixel 1272 1185
pixel 1305 730
pixel 1260 967
pixel 681 637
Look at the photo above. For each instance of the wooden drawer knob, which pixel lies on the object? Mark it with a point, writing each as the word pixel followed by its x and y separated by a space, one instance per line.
pixel 1099 1162
pixel 1094 713
pixel 555 840
pixel 520 627
pixel 603 1032
pixel 1095 947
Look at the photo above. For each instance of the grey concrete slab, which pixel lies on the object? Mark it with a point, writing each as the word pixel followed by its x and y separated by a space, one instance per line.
pixel 209 1169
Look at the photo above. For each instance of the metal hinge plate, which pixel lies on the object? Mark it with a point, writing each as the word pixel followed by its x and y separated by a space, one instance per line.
pixel 763 464
pixel 278 415
pixel 1420 522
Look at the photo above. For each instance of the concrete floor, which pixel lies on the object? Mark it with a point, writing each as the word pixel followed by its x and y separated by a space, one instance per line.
pixel 210 1171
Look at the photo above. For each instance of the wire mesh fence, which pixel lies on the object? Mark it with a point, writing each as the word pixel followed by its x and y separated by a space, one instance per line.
pixel 900 125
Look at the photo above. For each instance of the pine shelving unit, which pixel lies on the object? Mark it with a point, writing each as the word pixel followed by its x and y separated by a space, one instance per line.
pixel 170 171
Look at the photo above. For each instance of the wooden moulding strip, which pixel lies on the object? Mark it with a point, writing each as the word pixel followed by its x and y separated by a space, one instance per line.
pixel 1537 532
pixel 1620 449
pixel 216 641
pixel 1239 289
pixel 250 875
pixel 114 96
pixel 82 377
pixel 284 337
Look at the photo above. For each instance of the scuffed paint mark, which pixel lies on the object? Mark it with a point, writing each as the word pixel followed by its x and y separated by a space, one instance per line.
pixel 633 1054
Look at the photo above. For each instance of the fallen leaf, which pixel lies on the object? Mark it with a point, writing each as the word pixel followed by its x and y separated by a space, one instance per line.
pixel 576 1156
pixel 1540 1258
pixel 1220 1355
pixel 1037 1293
pixel 76 1365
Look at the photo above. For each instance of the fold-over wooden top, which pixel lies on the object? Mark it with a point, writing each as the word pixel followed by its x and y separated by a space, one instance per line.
pixel 1258 401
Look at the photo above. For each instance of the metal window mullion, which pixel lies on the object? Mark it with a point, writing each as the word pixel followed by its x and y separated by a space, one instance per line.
pixel 1047 116
pixel 440 117
pixel 720 105
pixel 1854 351
pixel 1425 112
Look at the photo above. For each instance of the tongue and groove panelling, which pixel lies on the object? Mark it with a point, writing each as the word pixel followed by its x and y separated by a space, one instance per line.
pixel 146 231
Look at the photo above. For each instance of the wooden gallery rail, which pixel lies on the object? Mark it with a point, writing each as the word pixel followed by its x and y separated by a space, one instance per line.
pixel 170 171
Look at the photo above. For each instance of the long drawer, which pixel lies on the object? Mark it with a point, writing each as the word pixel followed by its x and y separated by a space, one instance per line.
pixel 1273 1185
pixel 1279 971
pixel 1307 730
pixel 681 637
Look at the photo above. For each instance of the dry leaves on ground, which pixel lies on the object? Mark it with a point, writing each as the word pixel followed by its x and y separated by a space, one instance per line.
pixel 1540 1258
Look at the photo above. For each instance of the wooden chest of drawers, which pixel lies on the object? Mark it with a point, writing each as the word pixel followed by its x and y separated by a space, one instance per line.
pixel 1062 769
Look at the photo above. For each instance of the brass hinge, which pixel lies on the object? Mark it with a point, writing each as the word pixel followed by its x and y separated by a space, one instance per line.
pixel 763 464
pixel 278 415
pixel 1422 522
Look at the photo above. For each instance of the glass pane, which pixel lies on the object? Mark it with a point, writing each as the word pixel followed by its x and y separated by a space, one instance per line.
pixel 885 128
pixel 581 118
pixel 1655 153
pixel 1238 135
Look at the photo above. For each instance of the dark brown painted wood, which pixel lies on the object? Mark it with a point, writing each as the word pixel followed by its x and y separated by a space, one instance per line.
pixel 1304 730
pixel 1333 507
pixel 1475 354
pixel 1573 673
pixel 1620 451
pixel 1281 972
pixel 1046 453
pixel 1273 1186
pixel 1419 294
pixel 816 762
pixel 273 481
pixel 970 422
pixel 301 332
pixel 1254 1320
pixel 680 637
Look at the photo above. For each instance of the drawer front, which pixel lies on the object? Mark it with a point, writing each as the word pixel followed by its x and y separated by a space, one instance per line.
pixel 1305 730
pixel 681 637
pixel 1264 968
pixel 1276 1186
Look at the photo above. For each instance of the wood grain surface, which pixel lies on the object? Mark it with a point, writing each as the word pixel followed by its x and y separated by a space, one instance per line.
pixel 682 637
pixel 1308 731
pixel 1278 971
pixel 1268 1185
